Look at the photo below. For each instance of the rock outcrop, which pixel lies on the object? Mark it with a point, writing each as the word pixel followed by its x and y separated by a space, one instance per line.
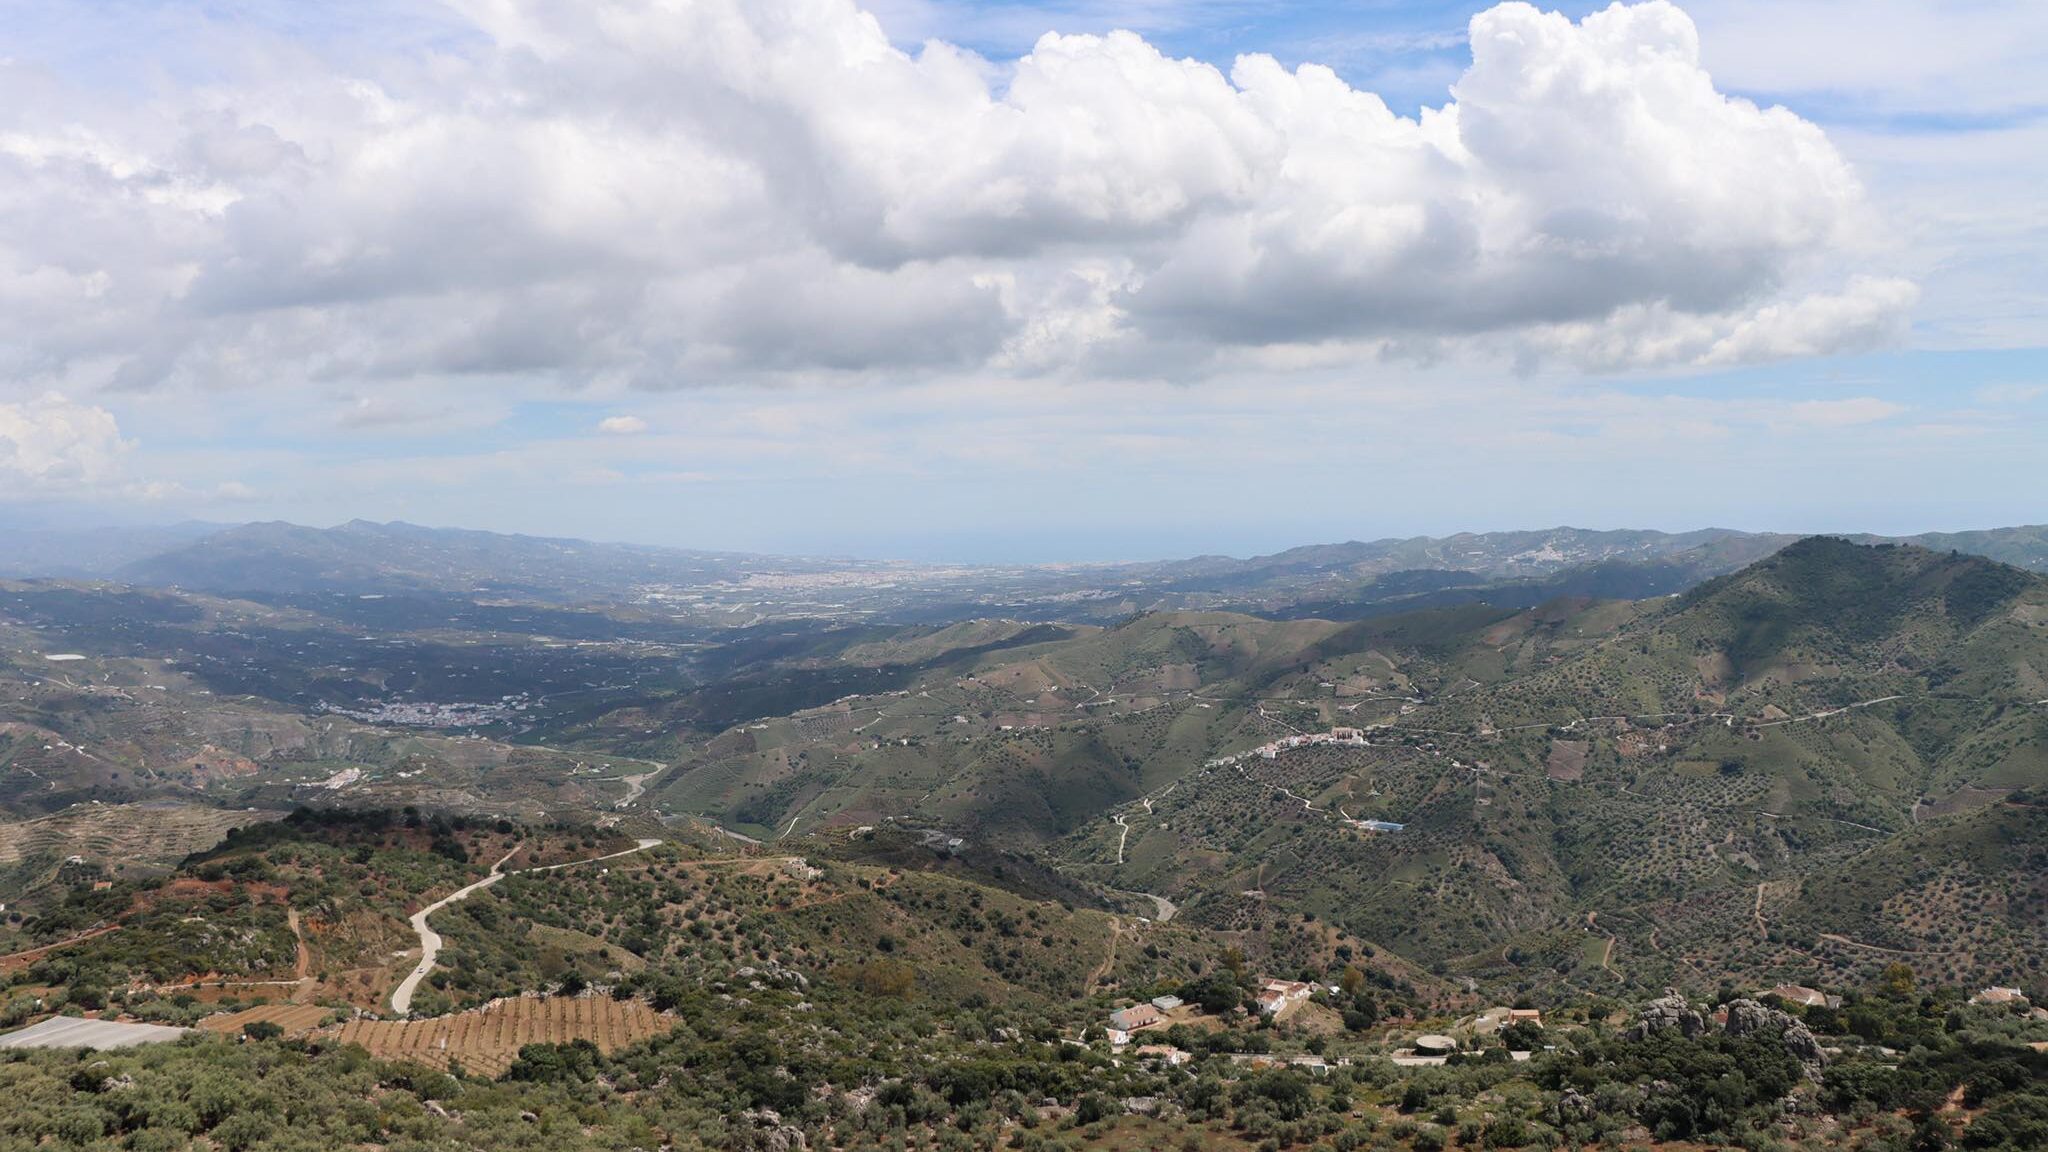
pixel 1666 1014
pixel 1747 1018
pixel 1574 1108
pixel 765 1132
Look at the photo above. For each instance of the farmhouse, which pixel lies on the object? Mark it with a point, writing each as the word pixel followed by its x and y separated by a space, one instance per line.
pixel 1166 1003
pixel 1277 996
pixel 1135 1017
pixel 1999 996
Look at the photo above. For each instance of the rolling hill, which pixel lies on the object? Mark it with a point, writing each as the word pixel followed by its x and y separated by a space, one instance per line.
pixel 1583 791
pixel 1654 777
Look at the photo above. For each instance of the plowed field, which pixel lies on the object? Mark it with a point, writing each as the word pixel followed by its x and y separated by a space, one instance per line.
pixel 295 1019
pixel 487 1040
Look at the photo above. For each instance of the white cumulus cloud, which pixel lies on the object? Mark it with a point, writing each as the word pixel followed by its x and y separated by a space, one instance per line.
pixel 662 193
pixel 50 445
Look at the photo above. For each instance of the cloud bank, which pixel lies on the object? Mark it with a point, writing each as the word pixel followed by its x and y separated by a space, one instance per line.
pixel 50 446
pixel 661 193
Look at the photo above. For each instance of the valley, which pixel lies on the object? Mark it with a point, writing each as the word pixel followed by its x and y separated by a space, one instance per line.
pixel 516 832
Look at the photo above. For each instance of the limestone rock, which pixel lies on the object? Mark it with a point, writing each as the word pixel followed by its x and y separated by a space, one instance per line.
pixel 765 1132
pixel 1665 1014
pixel 1748 1018
pixel 1575 1108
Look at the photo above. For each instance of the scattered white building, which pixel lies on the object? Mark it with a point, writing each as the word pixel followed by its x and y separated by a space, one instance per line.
pixel 1339 737
pixel 1277 996
pixel 1164 1053
pixel 1135 1017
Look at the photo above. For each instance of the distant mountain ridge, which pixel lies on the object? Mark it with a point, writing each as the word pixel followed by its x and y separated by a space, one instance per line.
pixel 71 553
pixel 1544 551
pixel 1348 579
pixel 2024 546
pixel 1502 554
pixel 365 557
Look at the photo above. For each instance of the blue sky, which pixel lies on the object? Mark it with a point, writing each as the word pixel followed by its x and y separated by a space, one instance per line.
pixel 1408 53
pixel 491 266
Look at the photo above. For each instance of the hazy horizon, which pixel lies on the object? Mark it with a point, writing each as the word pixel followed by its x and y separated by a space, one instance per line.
pixel 940 552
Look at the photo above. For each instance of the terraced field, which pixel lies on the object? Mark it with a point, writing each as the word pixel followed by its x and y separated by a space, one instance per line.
pixel 295 1019
pixel 488 1039
pixel 115 836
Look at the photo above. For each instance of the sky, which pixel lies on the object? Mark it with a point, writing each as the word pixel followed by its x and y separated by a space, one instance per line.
pixel 1101 279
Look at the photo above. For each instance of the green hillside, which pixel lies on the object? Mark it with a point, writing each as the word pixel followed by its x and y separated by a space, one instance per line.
pixel 1591 793
pixel 972 841
pixel 1706 759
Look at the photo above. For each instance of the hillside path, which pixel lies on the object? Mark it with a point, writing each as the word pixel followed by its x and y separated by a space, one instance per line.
pixel 1836 938
pixel 29 955
pixel 430 940
pixel 302 964
pixel 1101 971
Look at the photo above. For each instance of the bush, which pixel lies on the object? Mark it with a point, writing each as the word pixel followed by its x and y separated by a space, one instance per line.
pixel 243 1131
pixel 2016 1122
pixel 886 979
pixel 1507 1132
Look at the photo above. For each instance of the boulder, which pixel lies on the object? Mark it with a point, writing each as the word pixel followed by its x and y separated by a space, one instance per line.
pixel 1574 1108
pixel 765 1132
pixel 1749 1018
pixel 1666 1014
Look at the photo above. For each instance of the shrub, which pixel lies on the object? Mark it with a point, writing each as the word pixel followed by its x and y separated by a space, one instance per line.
pixel 1507 1132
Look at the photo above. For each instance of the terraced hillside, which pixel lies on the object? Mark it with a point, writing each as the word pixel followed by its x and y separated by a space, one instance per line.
pixel 1587 793
pixel 1603 795
pixel 110 840
pixel 1020 744
pixel 1804 770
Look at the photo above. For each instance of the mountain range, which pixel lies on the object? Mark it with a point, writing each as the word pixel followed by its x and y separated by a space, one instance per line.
pixel 1514 775
pixel 1351 579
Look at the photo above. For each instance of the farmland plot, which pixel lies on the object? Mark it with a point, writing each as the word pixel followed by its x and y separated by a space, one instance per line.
pixel 295 1019
pixel 487 1040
